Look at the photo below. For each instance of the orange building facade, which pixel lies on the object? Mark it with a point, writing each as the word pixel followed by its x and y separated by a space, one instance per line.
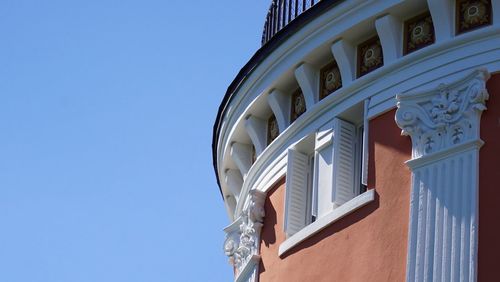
pixel 362 142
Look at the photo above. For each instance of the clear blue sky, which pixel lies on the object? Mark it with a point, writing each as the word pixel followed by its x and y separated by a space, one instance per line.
pixel 106 114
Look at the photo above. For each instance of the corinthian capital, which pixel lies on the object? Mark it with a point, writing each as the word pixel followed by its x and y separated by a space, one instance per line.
pixel 443 117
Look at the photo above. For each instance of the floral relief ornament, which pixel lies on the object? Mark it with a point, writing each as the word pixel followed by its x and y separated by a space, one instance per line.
pixel 242 244
pixel 446 116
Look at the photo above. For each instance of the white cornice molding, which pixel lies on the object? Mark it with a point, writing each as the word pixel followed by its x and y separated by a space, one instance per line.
pixel 380 86
pixel 442 61
pixel 444 124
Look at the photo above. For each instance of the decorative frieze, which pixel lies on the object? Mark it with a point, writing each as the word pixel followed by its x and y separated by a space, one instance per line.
pixel 418 33
pixel 298 105
pixel 444 128
pixel 472 14
pixel 243 238
pixel 330 79
pixel 370 56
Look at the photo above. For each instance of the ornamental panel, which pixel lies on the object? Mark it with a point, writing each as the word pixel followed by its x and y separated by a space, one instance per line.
pixel 370 56
pixel 330 79
pixel 298 105
pixel 418 33
pixel 472 14
pixel 272 129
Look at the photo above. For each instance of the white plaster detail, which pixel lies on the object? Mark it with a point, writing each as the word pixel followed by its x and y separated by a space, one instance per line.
pixel 308 79
pixel 242 157
pixel 243 238
pixel 256 129
pixel 326 220
pixel 389 29
pixel 344 54
pixel 442 18
pixel 444 128
pixel 365 152
pixel 495 11
pixel 280 104
pixel 234 181
pixel 447 116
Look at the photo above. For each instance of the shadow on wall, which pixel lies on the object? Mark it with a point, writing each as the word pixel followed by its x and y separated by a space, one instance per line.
pixel 336 227
pixel 489 194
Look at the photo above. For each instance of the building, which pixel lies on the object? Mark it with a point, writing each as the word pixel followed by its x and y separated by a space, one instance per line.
pixel 361 142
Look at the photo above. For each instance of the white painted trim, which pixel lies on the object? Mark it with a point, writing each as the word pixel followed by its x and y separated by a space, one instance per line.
pixel 308 79
pixel 345 56
pixel 280 105
pixel 256 129
pixel 234 181
pixel 442 13
pixel 328 219
pixel 389 29
pixel 495 6
pixel 250 272
pixel 242 157
pixel 365 150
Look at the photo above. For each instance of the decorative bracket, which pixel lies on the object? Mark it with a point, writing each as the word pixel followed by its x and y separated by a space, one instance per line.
pixel 243 238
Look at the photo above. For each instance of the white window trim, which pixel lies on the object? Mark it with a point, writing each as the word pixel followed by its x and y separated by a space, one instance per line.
pixel 324 221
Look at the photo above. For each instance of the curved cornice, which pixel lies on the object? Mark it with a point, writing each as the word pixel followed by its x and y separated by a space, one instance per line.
pixel 259 56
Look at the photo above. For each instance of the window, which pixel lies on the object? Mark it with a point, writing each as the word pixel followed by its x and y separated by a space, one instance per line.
pixel 323 173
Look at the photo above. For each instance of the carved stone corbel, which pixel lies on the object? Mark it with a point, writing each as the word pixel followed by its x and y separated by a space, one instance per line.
pixel 243 238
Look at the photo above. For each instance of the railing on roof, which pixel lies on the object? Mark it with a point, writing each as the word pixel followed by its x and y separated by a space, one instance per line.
pixel 281 13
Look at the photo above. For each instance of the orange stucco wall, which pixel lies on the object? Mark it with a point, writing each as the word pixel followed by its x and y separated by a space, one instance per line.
pixel 367 245
pixel 489 186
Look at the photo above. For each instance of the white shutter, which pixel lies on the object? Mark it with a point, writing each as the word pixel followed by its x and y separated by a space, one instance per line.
pixel 296 192
pixel 343 161
pixel 364 158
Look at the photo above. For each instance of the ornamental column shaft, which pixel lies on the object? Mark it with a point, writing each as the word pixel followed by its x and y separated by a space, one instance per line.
pixel 444 128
